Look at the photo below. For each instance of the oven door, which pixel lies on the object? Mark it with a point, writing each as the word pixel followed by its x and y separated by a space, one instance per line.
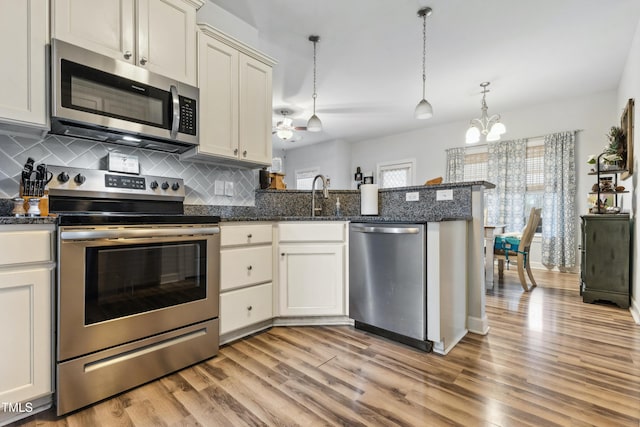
pixel 120 284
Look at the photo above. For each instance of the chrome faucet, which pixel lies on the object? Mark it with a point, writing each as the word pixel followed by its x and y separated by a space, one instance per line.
pixel 325 193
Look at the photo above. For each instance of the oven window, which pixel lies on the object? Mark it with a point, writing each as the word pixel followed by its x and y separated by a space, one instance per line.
pixel 122 281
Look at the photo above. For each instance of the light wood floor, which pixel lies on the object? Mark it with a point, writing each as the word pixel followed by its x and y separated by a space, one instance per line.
pixel 549 359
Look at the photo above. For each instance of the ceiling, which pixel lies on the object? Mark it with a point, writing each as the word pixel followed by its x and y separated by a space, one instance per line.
pixel 369 57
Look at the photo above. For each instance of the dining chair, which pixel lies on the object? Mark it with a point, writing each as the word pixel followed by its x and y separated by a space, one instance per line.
pixel 516 247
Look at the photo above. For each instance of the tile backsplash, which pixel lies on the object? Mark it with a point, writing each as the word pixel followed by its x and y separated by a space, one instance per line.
pixel 199 178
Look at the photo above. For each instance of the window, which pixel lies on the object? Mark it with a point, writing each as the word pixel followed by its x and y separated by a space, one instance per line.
pixel 304 178
pixel 396 174
pixel 475 166
pixel 535 179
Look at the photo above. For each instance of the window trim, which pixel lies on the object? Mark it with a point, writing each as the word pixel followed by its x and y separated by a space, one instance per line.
pixel 315 170
pixel 398 164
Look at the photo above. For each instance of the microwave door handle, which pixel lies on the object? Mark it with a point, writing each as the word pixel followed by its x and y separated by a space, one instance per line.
pixel 175 102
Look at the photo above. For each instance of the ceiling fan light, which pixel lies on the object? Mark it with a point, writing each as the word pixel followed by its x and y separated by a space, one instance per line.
pixel 284 134
pixel 287 122
pixel 473 135
pixel 424 110
pixel 314 124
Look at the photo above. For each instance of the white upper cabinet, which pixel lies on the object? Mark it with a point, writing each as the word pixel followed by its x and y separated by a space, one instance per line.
pixel 235 84
pixel 159 35
pixel 24 34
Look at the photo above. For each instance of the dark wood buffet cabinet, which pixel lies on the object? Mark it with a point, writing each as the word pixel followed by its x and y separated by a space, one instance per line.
pixel 604 270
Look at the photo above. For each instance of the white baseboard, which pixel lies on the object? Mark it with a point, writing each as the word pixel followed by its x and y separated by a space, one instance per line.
pixel 634 308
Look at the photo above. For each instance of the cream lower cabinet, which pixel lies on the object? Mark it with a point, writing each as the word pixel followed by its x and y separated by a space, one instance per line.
pixel 235 84
pixel 158 35
pixel 26 313
pixel 312 269
pixel 246 272
pixel 24 34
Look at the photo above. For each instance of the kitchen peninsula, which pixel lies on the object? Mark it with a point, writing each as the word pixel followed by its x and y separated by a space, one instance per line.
pixel 435 205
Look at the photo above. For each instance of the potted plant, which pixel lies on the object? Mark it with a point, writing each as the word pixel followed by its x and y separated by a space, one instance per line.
pixel 615 153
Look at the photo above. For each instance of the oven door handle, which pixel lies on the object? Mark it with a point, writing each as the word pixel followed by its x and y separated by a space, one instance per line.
pixel 137 233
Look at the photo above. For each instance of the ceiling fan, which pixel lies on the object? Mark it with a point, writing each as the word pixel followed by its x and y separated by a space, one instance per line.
pixel 284 128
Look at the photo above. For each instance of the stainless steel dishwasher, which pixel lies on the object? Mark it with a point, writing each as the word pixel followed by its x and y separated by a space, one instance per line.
pixel 387 281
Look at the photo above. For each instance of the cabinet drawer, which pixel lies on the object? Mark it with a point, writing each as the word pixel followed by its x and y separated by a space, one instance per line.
pixel 245 266
pixel 312 232
pixel 244 307
pixel 20 247
pixel 232 235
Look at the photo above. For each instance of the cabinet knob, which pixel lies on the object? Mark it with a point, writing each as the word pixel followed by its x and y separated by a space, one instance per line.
pixel 282 254
pixel 244 153
pixel 250 308
pixel 128 54
pixel 249 236
pixel 143 61
pixel 249 268
pixel 235 152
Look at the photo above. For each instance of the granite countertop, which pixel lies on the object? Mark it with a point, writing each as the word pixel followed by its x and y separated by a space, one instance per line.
pixel 28 220
pixel 359 218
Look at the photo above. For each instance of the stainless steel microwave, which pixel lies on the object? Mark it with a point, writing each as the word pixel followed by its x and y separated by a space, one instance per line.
pixel 105 99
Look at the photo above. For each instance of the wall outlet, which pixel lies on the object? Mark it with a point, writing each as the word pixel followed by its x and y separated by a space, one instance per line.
pixel 412 197
pixel 228 188
pixel 444 195
pixel 218 188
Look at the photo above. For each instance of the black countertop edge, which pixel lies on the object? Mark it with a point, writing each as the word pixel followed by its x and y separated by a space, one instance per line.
pixel 485 184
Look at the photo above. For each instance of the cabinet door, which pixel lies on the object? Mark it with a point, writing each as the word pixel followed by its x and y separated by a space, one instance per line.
pixel 255 110
pixel 167 38
pixel 218 83
pixel 25 310
pixel 606 256
pixel 23 38
pixel 311 280
pixel 102 26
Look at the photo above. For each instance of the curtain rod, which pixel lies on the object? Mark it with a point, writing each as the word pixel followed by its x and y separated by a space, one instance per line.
pixel 484 144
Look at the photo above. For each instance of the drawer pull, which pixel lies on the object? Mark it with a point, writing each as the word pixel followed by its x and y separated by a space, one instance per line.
pixel 250 308
pixel 249 236
pixel 249 268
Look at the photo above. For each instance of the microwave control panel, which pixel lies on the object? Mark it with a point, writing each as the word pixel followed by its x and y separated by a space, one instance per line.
pixel 187 116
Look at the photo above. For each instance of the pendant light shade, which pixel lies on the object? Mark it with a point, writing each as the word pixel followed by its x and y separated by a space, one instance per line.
pixel 424 110
pixel 314 124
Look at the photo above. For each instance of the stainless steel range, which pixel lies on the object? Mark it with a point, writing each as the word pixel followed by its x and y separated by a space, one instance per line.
pixel 138 283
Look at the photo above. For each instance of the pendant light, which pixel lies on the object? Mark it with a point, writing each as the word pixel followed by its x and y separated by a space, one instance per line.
pixel 424 110
pixel 314 124
pixel 490 127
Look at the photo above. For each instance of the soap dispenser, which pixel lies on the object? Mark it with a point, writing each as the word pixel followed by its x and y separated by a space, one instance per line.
pixel 338 211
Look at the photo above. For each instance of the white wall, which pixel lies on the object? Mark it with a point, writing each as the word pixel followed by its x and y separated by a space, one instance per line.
pixel 229 24
pixel 630 88
pixel 594 114
pixel 331 158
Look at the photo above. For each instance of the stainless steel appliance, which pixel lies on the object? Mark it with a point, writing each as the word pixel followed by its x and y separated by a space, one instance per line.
pixel 137 283
pixel 105 99
pixel 387 281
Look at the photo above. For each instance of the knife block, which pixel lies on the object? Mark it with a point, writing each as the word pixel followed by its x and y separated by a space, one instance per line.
pixel 43 205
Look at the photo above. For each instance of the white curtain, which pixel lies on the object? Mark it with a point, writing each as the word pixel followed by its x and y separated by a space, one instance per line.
pixel 506 168
pixel 559 201
pixel 455 164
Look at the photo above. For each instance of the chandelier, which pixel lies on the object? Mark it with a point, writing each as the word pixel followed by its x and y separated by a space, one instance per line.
pixel 490 127
pixel 424 110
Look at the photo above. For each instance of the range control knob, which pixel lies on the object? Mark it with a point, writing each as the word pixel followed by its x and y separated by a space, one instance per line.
pixel 153 185
pixel 80 179
pixel 63 177
pixel 165 185
pixel 175 186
